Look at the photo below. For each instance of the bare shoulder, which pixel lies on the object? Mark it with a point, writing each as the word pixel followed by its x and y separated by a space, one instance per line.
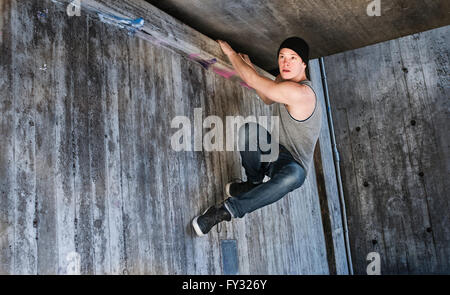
pixel 305 104
pixel 305 95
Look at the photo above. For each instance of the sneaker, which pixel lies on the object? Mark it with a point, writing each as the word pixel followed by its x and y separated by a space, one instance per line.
pixel 233 189
pixel 213 215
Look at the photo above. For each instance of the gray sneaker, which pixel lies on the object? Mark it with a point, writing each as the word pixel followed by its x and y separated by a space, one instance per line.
pixel 213 215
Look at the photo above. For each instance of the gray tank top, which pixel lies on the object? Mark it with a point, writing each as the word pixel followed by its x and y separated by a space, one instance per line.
pixel 299 137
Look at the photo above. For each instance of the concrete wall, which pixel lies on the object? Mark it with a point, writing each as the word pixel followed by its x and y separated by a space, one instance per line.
pixel 390 104
pixel 87 174
pixel 329 27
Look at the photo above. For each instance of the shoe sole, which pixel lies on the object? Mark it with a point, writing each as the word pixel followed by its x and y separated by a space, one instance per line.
pixel 197 229
pixel 227 189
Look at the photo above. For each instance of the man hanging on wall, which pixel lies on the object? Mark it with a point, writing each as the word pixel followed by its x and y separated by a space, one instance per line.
pixel 299 113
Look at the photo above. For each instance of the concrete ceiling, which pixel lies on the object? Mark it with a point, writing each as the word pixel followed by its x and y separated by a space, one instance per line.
pixel 257 27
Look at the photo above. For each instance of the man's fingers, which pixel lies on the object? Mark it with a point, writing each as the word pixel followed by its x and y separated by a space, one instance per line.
pixel 246 59
pixel 244 56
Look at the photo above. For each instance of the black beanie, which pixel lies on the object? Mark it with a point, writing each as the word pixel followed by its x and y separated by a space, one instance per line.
pixel 298 45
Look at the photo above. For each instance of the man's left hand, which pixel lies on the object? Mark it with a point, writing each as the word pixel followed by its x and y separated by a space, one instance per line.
pixel 226 48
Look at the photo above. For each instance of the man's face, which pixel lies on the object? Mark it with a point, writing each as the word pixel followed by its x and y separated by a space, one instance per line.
pixel 290 63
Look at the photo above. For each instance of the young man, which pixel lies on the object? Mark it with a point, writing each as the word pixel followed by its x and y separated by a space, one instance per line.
pixel 299 116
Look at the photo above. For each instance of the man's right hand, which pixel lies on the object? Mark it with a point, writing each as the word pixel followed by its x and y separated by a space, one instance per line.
pixel 247 60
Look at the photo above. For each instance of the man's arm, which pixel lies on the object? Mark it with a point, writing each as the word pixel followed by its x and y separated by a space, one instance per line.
pixel 286 92
pixel 264 98
pixel 261 95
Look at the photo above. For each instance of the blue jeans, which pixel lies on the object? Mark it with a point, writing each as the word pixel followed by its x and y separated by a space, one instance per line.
pixel 285 174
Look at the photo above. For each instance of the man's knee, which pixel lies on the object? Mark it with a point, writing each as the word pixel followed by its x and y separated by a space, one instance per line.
pixel 294 176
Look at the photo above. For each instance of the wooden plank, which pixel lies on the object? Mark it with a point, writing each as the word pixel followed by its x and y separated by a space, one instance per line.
pixel 64 180
pixel 158 180
pixel 174 200
pixel 112 84
pixel 7 161
pixel 196 186
pixel 163 94
pixel 138 67
pixel 137 192
pixel 84 223
pixel 118 50
pixel 45 152
pixel 154 216
pixel 25 249
pixel 97 151
pixel 185 203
